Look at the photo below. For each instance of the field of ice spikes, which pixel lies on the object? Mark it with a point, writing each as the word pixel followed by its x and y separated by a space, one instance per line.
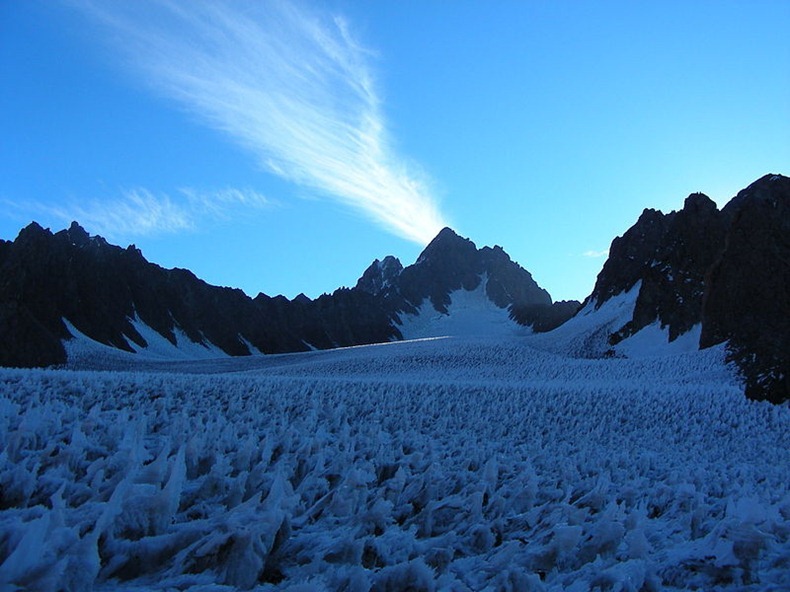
pixel 454 464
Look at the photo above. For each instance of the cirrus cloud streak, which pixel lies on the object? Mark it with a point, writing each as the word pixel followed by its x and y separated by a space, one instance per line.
pixel 141 212
pixel 291 85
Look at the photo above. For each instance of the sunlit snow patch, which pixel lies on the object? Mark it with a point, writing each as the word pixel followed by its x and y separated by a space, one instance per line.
pixel 653 340
pixel 586 335
pixel 83 349
pixel 470 313
pixel 253 350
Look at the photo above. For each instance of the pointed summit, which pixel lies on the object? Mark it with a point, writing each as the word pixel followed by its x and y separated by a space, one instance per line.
pixel 451 262
pixel 33 231
pixel 722 271
pixel 447 235
pixel 668 255
pixel 380 276
pixel 698 203
pixel 77 234
pixel 447 245
pixel 771 190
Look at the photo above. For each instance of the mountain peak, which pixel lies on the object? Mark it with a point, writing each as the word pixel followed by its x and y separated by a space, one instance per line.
pixel 768 179
pixel 447 245
pixel 446 233
pixel 772 190
pixel 33 229
pixel 722 270
pixel 77 234
pixel 451 262
pixel 302 298
pixel 380 275
pixel 699 202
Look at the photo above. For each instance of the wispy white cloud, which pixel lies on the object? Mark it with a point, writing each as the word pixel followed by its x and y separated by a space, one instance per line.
pixel 596 254
pixel 225 203
pixel 290 84
pixel 135 212
pixel 140 212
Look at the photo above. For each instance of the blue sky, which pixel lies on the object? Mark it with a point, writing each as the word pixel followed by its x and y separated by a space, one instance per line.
pixel 281 147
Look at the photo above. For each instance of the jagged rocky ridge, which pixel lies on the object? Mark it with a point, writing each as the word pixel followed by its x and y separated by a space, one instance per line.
pixel 102 289
pixel 451 263
pixel 728 270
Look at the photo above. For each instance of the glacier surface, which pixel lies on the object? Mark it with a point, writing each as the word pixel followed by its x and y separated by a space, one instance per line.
pixel 506 462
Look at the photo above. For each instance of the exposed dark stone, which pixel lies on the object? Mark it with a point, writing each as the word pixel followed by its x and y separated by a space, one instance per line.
pixel 544 318
pixel 26 341
pixel 45 278
pixel 629 256
pixel 100 289
pixel 728 270
pixel 346 317
pixel 509 284
pixel 451 263
pixel 448 263
pixel 380 276
pixel 747 297
pixel 670 254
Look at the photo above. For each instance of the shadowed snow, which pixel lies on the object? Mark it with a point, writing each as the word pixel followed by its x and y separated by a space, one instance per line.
pixel 439 464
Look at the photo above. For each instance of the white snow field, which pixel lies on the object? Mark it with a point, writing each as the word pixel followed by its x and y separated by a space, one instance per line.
pixel 462 463
pixel 470 313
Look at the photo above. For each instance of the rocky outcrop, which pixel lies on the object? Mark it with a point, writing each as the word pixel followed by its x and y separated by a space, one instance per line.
pixel 451 263
pixel 102 289
pixel 629 256
pixel 724 269
pixel 344 318
pixel 544 318
pixel 747 296
pixel 380 276
pixel 447 264
pixel 670 254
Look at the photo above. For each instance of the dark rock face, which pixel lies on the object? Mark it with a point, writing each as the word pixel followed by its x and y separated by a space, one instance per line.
pixel 380 276
pixel 448 263
pixel 346 317
pixel 629 255
pixel 747 297
pixel 725 269
pixel 670 254
pixel 451 263
pixel 542 318
pixel 27 342
pixel 673 289
pixel 100 288
pixel 24 340
pixel 509 284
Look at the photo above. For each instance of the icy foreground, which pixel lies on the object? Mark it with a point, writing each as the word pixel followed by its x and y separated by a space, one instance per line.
pixel 446 464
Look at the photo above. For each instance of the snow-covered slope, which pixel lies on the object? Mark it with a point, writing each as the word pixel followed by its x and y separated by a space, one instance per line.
pixel 81 350
pixel 586 335
pixel 653 340
pixel 445 464
pixel 470 313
